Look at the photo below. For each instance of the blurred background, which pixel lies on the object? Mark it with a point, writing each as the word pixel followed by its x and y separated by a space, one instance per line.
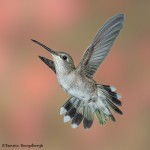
pixel 30 96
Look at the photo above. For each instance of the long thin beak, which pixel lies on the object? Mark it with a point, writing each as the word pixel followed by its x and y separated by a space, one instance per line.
pixel 48 49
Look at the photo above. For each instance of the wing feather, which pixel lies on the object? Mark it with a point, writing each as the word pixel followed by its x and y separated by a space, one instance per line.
pixel 48 62
pixel 101 45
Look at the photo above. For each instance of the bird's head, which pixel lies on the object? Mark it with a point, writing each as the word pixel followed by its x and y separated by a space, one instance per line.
pixel 63 61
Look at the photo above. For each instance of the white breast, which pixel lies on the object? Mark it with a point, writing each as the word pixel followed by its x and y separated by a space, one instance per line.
pixel 75 86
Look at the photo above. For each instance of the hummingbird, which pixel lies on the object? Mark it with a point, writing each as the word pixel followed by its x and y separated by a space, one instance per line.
pixel 87 98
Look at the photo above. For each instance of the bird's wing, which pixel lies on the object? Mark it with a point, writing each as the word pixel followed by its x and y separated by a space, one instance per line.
pixel 49 63
pixel 100 46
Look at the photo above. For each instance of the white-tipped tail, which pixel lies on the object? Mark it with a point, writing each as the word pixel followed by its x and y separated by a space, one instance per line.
pixel 74 125
pixel 119 96
pixel 67 118
pixel 113 89
pixel 62 110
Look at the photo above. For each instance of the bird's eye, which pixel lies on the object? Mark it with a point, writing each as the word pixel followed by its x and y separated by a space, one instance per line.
pixel 64 57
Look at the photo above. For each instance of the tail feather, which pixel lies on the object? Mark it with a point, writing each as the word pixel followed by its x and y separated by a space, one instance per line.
pixel 78 111
pixel 112 99
pixel 70 113
pixel 77 119
pixel 109 88
pixel 103 112
pixel 101 117
pixel 66 106
pixel 110 116
pixel 87 123
pixel 113 96
pixel 109 100
pixel 88 117
pixel 114 107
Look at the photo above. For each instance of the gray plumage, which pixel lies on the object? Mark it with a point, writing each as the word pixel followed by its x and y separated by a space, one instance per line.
pixel 101 45
pixel 87 97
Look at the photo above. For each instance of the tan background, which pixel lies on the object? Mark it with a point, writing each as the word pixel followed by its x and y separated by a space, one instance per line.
pixel 29 93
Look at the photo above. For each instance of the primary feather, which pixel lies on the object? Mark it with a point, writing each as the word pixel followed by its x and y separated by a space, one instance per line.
pixel 101 45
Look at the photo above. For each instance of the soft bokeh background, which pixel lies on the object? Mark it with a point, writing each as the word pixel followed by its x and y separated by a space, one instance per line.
pixel 30 97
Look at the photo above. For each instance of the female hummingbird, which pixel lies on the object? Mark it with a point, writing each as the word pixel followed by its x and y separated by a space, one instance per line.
pixel 87 97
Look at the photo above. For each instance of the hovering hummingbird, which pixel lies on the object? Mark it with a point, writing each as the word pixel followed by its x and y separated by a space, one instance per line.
pixel 87 97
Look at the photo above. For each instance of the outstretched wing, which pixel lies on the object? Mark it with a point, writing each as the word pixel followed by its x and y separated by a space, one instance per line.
pixel 101 45
pixel 48 62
